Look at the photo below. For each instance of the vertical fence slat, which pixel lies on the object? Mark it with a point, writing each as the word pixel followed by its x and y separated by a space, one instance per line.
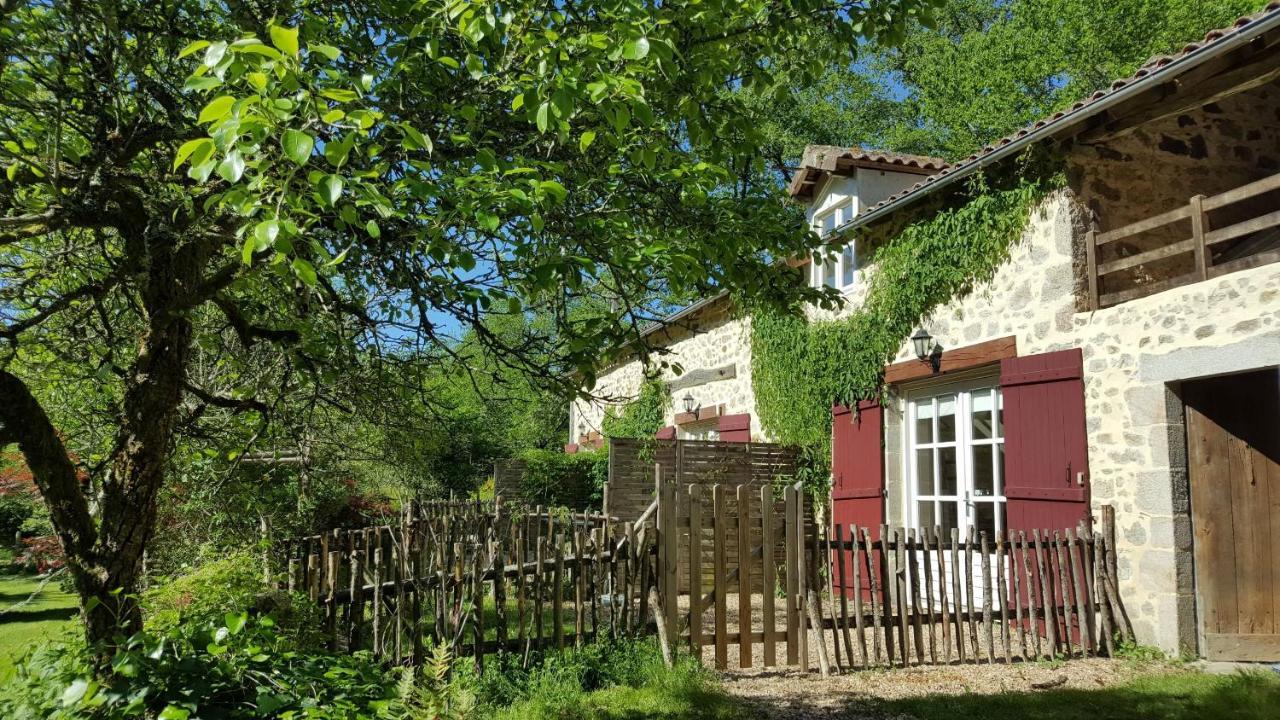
pixel 719 521
pixel 987 626
pixel 913 579
pixel 793 587
pixel 925 553
pixel 935 539
pixel 1074 570
pixel 768 576
pixel 1002 596
pixel 957 597
pixel 695 570
pixel 970 545
pixel 1046 597
pixel 873 583
pixel 841 556
pixel 744 577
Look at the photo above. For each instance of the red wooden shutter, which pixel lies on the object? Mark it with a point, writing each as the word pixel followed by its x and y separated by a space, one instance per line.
pixel 735 428
pixel 857 474
pixel 1046 451
pixel 666 433
pixel 571 448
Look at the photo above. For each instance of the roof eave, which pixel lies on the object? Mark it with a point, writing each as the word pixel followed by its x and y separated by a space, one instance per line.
pixel 1239 37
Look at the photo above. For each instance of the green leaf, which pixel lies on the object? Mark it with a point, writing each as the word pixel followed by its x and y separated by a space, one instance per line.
pixel 331 188
pixel 544 111
pixel 585 141
pixel 213 55
pixel 235 622
pixel 173 712
pixel 202 170
pixel 260 49
pixel 264 234
pixel 75 691
pixel 297 146
pixel 415 140
pixel 217 109
pixel 339 95
pixel 285 38
pixel 304 271
pixel 517 102
pixel 338 260
pixel 555 189
pixel 203 82
pixel 635 49
pixel 328 51
pixel 193 47
pixel 475 67
pixel 187 148
pixel 246 251
pixel 372 228
pixel 232 167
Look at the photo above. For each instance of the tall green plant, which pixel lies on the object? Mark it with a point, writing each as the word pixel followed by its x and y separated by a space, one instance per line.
pixel 799 368
pixel 642 417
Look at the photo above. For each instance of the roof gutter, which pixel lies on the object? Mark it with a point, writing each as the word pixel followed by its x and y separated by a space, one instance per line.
pixel 1240 37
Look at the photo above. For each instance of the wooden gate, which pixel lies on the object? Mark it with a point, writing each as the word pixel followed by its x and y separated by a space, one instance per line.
pixel 1233 437
pixel 1044 594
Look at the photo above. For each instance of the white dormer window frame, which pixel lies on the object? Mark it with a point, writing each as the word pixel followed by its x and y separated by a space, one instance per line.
pixel 840 272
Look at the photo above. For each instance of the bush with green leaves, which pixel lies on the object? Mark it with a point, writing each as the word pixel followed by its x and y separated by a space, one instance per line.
pixel 226 585
pixel 238 666
pixel 642 417
pixel 560 479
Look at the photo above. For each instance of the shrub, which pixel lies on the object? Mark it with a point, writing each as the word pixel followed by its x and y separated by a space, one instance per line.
pixel 558 479
pixel 228 585
pixel 236 667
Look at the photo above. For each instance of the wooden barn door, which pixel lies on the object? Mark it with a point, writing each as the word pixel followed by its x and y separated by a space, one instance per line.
pixel 1233 453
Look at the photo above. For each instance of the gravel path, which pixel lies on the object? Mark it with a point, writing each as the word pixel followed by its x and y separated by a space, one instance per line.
pixel 791 695
pixel 785 693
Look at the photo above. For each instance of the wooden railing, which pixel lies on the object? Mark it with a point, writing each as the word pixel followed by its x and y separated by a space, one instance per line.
pixel 1202 245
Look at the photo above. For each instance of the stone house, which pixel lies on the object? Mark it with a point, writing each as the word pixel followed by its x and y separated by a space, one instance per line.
pixel 1127 353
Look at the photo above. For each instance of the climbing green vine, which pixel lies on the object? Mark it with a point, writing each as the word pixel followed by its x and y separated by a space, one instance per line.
pixel 799 368
pixel 640 418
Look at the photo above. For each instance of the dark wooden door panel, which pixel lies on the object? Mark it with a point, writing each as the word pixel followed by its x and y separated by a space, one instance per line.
pixel 1233 447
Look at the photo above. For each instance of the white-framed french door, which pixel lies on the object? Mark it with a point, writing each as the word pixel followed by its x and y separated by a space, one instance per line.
pixel 954 461
pixel 955 457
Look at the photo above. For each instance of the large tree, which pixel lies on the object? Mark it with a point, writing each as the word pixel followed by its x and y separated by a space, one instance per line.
pixel 207 205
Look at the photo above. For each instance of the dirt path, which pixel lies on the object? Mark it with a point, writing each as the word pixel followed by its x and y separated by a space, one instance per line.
pixel 790 695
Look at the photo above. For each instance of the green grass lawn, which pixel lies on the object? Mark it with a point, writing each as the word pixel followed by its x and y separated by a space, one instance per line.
pixel 1179 696
pixel 44 618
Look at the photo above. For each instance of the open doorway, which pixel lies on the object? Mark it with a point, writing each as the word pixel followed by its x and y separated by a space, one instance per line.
pixel 1233 458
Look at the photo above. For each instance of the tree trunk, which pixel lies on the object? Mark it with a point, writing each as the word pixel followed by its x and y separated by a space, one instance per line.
pixel 105 557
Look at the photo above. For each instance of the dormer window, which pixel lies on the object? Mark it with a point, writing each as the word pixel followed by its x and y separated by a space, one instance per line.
pixel 838 272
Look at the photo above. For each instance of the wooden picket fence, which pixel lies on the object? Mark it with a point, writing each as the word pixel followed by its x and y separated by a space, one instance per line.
pixel 481 578
pixel 488 578
pixel 876 597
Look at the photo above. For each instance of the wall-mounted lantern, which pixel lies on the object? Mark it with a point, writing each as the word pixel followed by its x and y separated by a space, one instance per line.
pixel 927 350
pixel 689 403
pixel 923 344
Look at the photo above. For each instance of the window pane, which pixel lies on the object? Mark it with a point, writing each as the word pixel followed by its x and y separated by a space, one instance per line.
pixel 846 266
pixel 984 482
pixel 924 472
pixel 982 414
pixel 999 413
pixel 947 418
pixel 926 514
pixel 829 222
pixel 948 518
pixel 947 471
pixel 999 485
pixel 924 421
pixel 984 518
pixel 829 273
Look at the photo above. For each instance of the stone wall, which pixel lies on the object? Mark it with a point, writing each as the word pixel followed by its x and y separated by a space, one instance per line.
pixel 1135 354
pixel 711 338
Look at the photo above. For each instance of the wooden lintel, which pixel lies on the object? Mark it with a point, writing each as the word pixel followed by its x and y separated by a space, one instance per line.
pixel 702 376
pixel 965 358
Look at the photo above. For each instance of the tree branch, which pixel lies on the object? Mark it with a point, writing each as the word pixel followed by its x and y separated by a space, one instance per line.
pixel 24 421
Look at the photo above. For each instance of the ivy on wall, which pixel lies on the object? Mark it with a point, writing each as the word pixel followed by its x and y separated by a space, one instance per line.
pixel 799 369
pixel 640 418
